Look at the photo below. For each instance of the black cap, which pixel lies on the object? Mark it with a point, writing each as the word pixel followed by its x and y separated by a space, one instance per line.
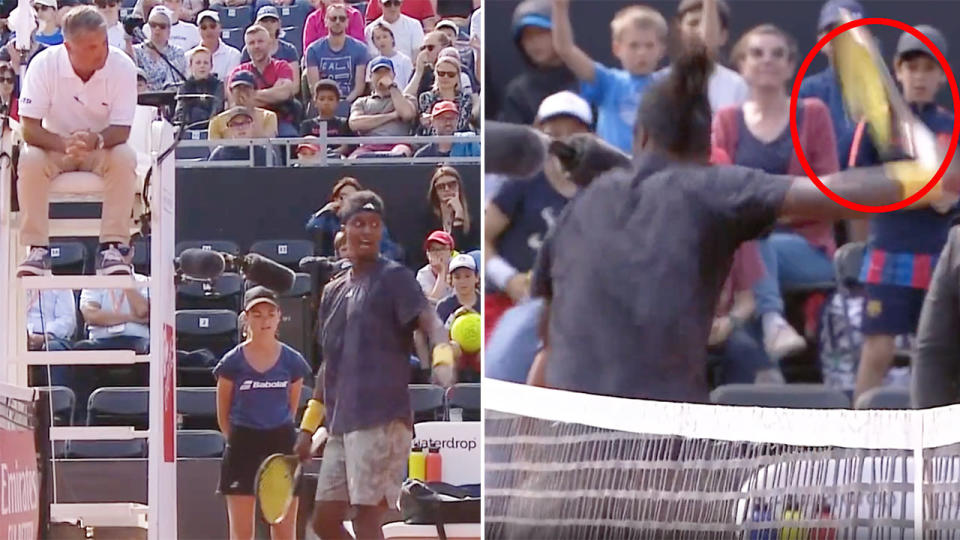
pixel 258 295
pixel 909 43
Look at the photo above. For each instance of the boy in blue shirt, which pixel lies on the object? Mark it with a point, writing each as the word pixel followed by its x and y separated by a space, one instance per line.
pixel 639 42
pixel 903 246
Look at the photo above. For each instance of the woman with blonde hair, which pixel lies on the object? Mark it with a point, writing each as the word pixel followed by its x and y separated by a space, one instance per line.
pixel 449 211
pixel 446 87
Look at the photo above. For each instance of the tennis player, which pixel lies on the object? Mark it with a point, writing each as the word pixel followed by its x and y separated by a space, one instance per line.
pixel 647 251
pixel 258 390
pixel 368 316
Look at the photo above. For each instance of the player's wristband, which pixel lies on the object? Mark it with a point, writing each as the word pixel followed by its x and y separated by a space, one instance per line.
pixel 312 417
pixel 443 355
pixel 499 272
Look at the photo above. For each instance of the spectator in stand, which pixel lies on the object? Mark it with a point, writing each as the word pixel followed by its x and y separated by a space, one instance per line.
pixel 444 122
pixel 142 85
pixel 338 57
pixel 546 74
pixel 465 54
pixel 275 88
pixel 324 225
pixel 51 323
pixel 14 56
pixel 432 277
pixel 269 18
pixel 225 57
pixel 315 26
pixel 424 11
pixel 326 96
pixel 824 85
pixel 48 23
pixel 423 75
pixel 117 319
pixel 465 298
pixel 143 7
pixel 183 34
pixel 243 93
pixel 708 22
pixel 639 42
pixel 240 125
pixel 523 212
pixel 384 42
pixel 446 87
pixel 385 112
pixel 9 93
pixel 116 35
pixel 903 246
pixel 449 211
pixel 160 72
pixel 757 135
pixel 191 8
pixel 407 31
pixel 201 81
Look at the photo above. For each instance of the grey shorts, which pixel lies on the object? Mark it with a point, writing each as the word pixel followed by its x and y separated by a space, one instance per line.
pixel 365 467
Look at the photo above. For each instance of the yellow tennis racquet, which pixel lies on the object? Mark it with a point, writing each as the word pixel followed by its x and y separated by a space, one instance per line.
pixel 277 480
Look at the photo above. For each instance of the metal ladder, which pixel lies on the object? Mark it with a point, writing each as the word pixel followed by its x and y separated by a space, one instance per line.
pixel 149 136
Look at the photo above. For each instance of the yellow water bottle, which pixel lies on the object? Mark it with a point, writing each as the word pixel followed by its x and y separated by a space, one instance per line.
pixel 417 465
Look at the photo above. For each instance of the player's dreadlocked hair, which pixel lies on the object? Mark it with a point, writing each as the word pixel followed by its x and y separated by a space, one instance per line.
pixel 675 112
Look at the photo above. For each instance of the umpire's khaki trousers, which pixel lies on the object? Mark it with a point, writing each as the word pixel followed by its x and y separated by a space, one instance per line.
pixel 117 167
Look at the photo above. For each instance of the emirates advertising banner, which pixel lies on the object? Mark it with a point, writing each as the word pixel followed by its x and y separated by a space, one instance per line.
pixel 19 485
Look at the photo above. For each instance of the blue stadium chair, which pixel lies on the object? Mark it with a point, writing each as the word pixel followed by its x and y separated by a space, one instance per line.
pixel 119 406
pixel 134 448
pixel 69 258
pixel 233 37
pixel 465 396
pixel 200 443
pixel 197 408
pixel 238 17
pixel 194 152
pixel 212 329
pixel 296 328
pixel 788 396
pixel 285 252
pixel 141 256
pixel 63 402
pixel 223 293
pixel 884 398
pixel 226 246
pixel 427 401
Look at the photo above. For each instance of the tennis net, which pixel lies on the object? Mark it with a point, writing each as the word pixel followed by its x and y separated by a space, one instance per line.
pixel 576 466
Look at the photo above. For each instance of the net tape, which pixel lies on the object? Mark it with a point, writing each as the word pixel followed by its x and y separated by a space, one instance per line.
pixel 562 465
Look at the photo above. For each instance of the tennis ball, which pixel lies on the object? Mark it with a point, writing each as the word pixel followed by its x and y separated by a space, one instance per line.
pixel 465 330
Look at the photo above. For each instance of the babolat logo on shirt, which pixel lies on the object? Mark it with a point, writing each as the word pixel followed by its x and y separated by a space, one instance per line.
pixel 262 385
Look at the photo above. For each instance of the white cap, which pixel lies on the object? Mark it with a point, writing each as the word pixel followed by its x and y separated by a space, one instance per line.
pixel 462 261
pixel 208 13
pixel 565 103
pixel 161 10
pixel 48 3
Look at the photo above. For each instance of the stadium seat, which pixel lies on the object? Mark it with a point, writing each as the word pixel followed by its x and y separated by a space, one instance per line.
pixel 119 406
pixel 238 17
pixel 233 37
pixel 885 398
pixel 212 329
pixel 296 328
pixel 63 402
pixel 197 408
pixel 789 396
pixel 224 293
pixel 226 246
pixel 69 258
pixel 200 443
pixel 133 448
pixel 847 262
pixel 193 152
pixel 141 256
pixel 285 252
pixel 465 396
pixel 427 402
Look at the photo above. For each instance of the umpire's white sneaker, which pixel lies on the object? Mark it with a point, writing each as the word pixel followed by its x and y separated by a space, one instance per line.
pixel 783 341
pixel 37 263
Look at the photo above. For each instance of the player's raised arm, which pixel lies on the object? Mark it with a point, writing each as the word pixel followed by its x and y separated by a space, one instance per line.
pixel 578 61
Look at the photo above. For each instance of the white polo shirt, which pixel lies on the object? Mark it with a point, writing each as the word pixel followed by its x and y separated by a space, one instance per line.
pixel 108 98
pixel 407 32
pixel 225 58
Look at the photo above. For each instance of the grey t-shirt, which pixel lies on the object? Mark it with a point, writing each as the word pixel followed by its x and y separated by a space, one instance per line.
pixel 634 268
pixel 366 335
pixel 376 104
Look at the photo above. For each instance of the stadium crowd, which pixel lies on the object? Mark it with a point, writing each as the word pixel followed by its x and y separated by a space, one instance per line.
pixel 856 322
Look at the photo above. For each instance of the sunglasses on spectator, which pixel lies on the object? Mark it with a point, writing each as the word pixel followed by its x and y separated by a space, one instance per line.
pixel 44 8
pixel 439 250
pixel 7 80
pixel 445 186
pixel 159 26
pixel 427 47
pixel 448 74
pixel 391 3
pixel 337 18
pixel 777 53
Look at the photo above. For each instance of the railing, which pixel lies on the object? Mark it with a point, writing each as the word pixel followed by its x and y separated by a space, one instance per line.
pixel 325 144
